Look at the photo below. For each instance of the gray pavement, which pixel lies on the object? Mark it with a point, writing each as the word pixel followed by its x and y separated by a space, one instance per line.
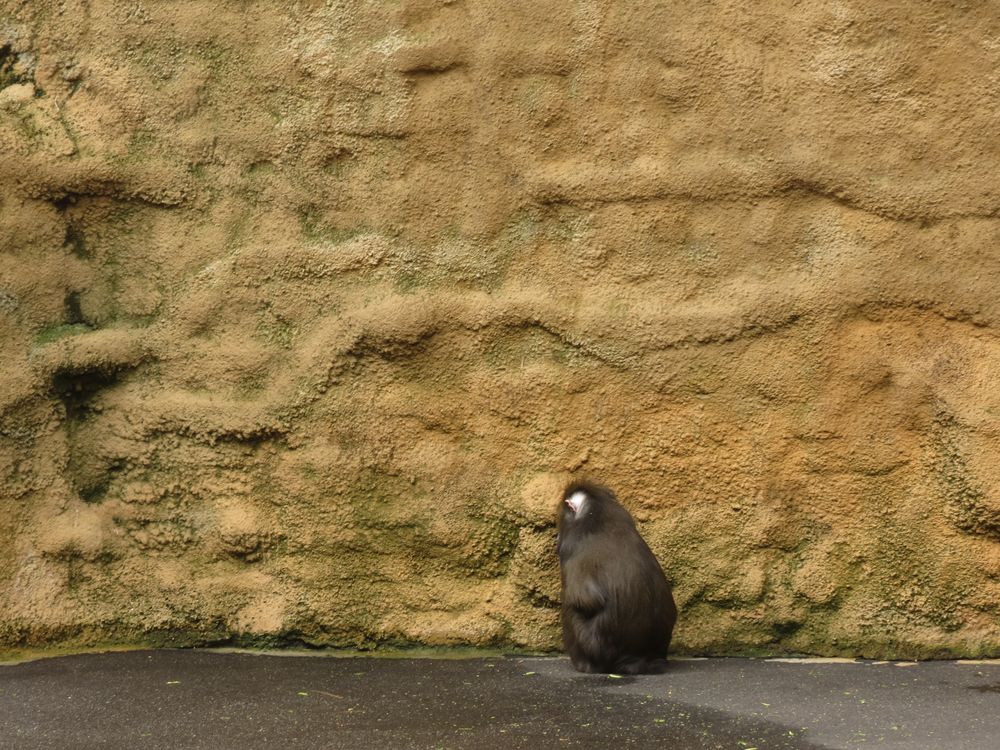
pixel 212 699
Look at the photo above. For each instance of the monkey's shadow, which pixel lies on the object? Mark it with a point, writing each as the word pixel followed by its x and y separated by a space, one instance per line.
pixel 605 680
pixel 611 680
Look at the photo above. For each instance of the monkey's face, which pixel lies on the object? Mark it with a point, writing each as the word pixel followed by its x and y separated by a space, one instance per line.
pixel 574 509
pixel 581 510
pixel 577 503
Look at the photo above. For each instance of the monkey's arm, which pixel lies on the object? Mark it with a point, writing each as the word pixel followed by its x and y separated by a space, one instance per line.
pixel 586 595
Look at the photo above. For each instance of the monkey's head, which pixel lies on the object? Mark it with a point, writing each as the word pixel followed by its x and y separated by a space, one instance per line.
pixel 582 499
pixel 586 507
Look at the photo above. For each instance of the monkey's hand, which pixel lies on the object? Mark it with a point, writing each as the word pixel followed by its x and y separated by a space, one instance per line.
pixel 587 597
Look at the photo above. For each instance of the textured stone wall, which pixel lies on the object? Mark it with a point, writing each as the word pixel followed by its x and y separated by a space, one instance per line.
pixel 307 309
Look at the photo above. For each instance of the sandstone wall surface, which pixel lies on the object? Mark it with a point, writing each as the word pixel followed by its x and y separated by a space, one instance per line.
pixel 308 309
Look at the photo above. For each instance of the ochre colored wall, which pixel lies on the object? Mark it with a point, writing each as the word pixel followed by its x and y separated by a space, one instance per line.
pixel 308 309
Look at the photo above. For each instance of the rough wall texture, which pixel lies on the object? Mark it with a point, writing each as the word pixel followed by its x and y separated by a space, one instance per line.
pixel 307 309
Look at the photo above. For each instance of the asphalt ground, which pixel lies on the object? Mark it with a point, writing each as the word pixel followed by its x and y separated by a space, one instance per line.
pixel 211 699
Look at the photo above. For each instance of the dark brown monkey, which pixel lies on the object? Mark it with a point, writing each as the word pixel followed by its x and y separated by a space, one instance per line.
pixel 618 612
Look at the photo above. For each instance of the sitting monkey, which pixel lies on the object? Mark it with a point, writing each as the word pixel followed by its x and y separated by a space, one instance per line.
pixel 618 611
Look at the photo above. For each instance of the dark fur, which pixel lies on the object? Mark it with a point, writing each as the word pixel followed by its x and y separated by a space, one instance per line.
pixel 618 612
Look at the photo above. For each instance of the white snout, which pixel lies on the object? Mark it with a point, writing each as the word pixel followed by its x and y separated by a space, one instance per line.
pixel 576 501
